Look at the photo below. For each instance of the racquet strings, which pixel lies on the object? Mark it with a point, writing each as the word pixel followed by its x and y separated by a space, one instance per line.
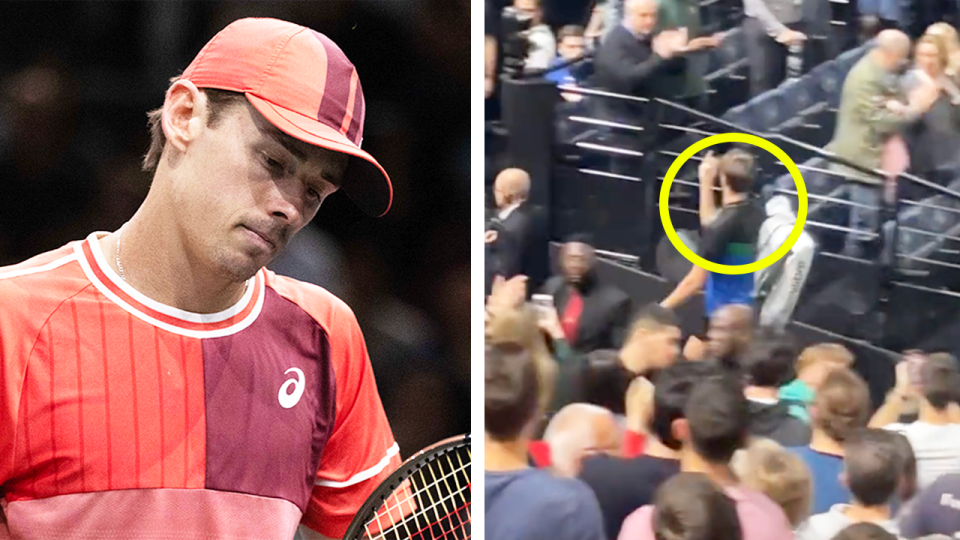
pixel 432 504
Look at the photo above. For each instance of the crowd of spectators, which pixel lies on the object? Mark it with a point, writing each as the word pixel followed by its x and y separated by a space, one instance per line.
pixel 603 420
pixel 741 436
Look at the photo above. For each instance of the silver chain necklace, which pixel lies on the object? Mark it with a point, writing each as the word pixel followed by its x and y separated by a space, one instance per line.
pixel 120 264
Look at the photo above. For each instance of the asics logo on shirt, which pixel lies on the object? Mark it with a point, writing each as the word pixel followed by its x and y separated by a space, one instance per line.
pixel 287 398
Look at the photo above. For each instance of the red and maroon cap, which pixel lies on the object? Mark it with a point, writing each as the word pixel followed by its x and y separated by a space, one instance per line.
pixel 304 85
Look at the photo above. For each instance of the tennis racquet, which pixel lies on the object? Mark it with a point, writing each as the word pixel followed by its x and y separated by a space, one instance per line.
pixel 427 498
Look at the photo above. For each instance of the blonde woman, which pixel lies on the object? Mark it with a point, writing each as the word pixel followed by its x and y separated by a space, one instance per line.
pixel 767 467
pixel 935 135
pixel 934 64
pixel 952 41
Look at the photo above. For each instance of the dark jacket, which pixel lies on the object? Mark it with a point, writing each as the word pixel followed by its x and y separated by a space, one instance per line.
pixel 774 421
pixel 626 64
pixel 598 378
pixel 521 246
pixel 935 136
pixel 605 315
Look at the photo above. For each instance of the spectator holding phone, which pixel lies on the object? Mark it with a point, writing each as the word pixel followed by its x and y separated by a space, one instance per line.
pixel 935 435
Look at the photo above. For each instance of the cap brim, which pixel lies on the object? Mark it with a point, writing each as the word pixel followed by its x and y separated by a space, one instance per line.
pixel 365 182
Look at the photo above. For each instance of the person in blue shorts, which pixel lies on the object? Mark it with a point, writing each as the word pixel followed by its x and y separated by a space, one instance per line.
pixel 728 234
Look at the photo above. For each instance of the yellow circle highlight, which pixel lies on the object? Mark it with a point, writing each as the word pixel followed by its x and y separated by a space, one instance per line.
pixel 726 268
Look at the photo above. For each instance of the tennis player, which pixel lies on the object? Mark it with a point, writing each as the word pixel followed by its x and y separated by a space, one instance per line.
pixel 158 382
pixel 729 234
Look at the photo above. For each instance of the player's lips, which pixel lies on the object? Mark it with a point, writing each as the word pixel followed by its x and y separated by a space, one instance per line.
pixel 261 238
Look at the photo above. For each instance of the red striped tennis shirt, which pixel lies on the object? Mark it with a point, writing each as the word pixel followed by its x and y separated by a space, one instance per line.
pixel 121 417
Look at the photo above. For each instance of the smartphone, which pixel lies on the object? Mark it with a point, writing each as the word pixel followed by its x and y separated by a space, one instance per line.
pixel 543 303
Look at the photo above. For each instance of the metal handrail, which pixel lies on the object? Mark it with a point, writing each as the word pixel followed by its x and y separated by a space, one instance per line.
pixel 604 123
pixel 622 257
pixel 594 172
pixel 829 156
pixel 601 93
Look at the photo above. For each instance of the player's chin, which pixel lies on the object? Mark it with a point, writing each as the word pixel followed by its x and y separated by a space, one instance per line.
pixel 244 264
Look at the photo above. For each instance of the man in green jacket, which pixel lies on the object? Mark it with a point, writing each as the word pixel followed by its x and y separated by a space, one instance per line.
pixel 870 113
pixel 689 83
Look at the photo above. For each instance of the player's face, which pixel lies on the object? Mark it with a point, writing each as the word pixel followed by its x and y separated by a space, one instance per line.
pixel 249 189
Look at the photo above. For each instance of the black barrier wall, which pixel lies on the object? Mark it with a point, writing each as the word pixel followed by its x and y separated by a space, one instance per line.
pixel 874 364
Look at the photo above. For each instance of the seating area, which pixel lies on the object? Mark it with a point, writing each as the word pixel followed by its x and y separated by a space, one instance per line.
pixel 800 114
pixel 804 110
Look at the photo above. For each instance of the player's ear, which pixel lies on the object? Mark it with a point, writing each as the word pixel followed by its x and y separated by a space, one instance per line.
pixel 184 114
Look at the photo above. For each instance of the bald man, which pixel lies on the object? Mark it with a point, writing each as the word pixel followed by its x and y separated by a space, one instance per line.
pixel 580 430
pixel 871 111
pixel 515 244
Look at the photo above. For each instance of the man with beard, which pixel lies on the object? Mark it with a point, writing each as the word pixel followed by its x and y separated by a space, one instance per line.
pixel 593 315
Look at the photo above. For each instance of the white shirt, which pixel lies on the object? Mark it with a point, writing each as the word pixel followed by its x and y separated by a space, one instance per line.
pixel 505 213
pixel 543 47
pixel 826 525
pixel 937 449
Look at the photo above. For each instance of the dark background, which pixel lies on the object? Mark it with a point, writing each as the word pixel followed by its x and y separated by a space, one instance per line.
pixel 76 81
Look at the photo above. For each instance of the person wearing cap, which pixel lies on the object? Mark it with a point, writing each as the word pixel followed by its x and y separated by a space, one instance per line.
pixel 158 380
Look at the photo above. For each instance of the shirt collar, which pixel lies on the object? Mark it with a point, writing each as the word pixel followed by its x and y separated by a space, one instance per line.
pixel 505 213
pixel 639 36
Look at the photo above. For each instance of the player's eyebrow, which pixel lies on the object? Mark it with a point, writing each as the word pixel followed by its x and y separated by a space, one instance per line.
pixel 284 140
